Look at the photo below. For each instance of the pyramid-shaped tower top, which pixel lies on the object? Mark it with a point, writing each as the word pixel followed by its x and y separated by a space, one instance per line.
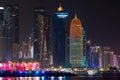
pixel 60 8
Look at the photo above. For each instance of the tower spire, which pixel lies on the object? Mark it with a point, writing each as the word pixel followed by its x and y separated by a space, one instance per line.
pixel 60 7
pixel 75 15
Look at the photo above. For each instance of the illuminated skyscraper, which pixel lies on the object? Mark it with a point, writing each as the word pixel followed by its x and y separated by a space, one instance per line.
pixel 9 33
pixel 118 58
pixel 15 32
pixel 60 34
pixel 76 43
pixel 115 61
pixel 88 53
pixel 84 47
pixel 2 50
pixel 95 57
pixel 42 37
pixel 107 57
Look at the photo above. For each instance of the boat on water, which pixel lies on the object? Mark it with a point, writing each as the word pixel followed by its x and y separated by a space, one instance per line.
pixel 92 72
pixel 87 72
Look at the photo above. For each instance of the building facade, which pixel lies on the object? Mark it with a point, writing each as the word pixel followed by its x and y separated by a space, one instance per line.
pixel 9 35
pixel 84 47
pixel 60 36
pixel 107 57
pixel 15 33
pixel 95 57
pixel 76 43
pixel 42 37
pixel 2 48
pixel 115 61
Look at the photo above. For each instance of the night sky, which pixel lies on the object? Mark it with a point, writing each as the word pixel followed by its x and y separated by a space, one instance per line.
pixel 100 18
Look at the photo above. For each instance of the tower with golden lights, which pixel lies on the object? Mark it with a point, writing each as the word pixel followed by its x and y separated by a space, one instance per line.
pixel 76 43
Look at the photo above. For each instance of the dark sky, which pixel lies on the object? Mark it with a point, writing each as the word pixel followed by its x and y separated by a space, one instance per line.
pixel 100 18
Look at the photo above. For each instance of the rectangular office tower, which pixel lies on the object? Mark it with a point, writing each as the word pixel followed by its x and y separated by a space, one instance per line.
pixel 60 35
pixel 9 33
pixel 42 37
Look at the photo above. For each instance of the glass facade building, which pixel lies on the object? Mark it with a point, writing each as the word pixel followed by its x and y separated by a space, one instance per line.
pixel 15 33
pixel 95 57
pixel 76 43
pixel 2 48
pixel 107 57
pixel 60 34
pixel 42 37
pixel 84 47
pixel 9 33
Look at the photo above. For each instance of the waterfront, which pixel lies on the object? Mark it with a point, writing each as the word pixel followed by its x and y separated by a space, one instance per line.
pixel 62 78
pixel 54 75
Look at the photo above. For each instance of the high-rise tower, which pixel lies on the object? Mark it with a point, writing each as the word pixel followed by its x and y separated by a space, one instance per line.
pixel 84 47
pixel 2 49
pixel 9 33
pixel 42 37
pixel 15 32
pixel 95 57
pixel 60 29
pixel 76 43
pixel 107 57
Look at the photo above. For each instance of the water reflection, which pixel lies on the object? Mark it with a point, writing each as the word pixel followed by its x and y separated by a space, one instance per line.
pixel 55 78
pixel 52 77
pixel 33 78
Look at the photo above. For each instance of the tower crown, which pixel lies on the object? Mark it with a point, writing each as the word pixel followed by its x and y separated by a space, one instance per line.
pixel 76 28
pixel 60 8
pixel 76 20
pixel 75 15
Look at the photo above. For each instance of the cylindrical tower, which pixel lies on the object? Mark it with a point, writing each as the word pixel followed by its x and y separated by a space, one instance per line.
pixel 76 43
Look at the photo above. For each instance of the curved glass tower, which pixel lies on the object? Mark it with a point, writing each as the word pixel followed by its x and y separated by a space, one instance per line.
pixel 76 43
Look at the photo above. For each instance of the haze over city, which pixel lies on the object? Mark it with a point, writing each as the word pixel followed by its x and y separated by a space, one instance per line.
pixel 99 18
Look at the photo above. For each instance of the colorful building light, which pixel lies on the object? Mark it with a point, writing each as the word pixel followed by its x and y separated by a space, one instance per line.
pixel 76 43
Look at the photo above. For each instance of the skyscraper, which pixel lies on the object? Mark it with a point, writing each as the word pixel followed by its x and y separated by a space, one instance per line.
pixel 84 47
pixel 118 57
pixel 95 60
pixel 115 61
pixel 59 28
pixel 2 50
pixel 107 57
pixel 76 43
pixel 88 53
pixel 42 37
pixel 15 32
pixel 9 32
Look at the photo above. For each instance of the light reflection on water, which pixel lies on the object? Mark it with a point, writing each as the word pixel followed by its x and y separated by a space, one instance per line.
pixel 33 78
pixel 55 78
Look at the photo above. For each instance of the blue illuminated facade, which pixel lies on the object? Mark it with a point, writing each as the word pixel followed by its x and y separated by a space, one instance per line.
pixel 60 35
pixel 94 57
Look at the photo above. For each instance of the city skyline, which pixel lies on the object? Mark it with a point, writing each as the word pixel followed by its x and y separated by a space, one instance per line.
pixel 99 18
